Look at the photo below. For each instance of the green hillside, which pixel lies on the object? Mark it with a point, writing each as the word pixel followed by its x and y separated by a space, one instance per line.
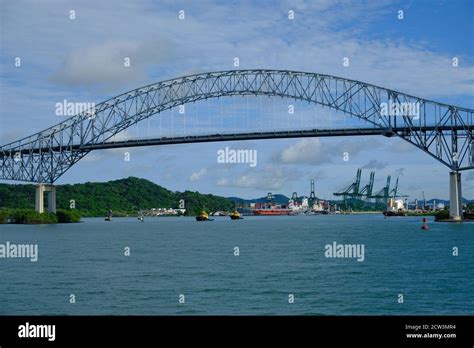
pixel 124 197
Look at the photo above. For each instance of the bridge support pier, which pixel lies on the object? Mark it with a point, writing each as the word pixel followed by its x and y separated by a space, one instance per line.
pixel 39 198
pixel 455 196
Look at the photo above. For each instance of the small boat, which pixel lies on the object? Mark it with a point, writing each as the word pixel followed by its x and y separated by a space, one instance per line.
pixel 236 215
pixel 140 217
pixel 109 216
pixel 203 216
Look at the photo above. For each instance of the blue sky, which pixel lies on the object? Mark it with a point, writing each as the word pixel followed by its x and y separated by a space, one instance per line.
pixel 80 60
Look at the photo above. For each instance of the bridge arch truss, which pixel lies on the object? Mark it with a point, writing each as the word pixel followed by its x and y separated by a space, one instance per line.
pixel 441 130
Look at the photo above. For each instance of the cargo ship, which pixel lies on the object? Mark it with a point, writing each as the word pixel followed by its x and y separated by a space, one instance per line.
pixel 271 209
pixel 395 208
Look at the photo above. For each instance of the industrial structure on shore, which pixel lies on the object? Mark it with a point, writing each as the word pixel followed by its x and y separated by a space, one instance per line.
pixel 296 205
pixel 355 195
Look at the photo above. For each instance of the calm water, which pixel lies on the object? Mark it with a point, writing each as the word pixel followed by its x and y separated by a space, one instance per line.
pixel 278 256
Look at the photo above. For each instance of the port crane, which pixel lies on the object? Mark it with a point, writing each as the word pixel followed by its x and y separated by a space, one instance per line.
pixel 351 191
pixel 367 189
pixel 383 194
pixel 312 195
pixel 353 194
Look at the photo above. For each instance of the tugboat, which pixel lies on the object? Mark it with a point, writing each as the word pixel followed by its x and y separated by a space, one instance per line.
pixel 236 215
pixel 203 216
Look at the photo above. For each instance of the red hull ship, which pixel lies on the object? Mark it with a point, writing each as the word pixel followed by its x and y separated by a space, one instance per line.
pixel 270 209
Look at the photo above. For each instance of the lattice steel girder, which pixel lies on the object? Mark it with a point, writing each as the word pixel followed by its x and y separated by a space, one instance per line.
pixel 187 139
pixel 448 139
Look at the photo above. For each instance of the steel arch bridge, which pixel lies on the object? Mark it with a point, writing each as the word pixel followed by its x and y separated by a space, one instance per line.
pixel 442 131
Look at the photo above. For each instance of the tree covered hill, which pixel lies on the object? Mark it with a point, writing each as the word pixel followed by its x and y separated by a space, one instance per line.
pixel 277 198
pixel 124 196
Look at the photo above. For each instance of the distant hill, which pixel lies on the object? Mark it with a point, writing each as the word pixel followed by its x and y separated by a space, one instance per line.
pixel 277 198
pixel 446 202
pixel 443 201
pixel 124 197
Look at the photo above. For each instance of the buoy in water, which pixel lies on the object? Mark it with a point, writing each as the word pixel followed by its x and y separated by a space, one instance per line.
pixel 425 224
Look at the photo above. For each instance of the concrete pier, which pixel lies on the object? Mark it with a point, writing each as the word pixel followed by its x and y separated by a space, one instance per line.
pixel 455 196
pixel 39 198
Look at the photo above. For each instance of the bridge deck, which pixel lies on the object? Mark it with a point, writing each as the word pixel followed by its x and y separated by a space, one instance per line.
pixel 234 137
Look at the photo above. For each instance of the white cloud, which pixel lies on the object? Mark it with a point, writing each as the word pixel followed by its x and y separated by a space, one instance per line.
pixel 400 172
pixel 269 178
pixel 374 164
pixel 306 151
pixel 313 151
pixel 198 175
pixel 104 64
